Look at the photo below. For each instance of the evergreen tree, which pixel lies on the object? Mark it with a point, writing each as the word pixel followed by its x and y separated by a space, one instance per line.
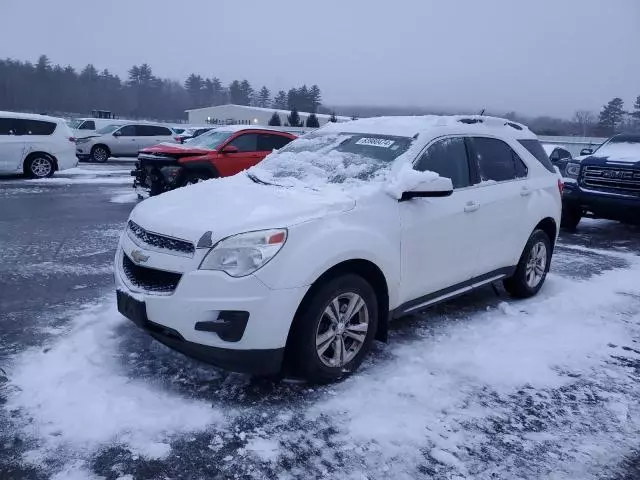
pixel 280 102
pixel 333 118
pixel 612 115
pixel 246 93
pixel 294 118
pixel 315 97
pixel 264 97
pixel 275 121
pixel 312 121
pixel 235 94
pixel 194 85
pixel 292 98
pixel 636 112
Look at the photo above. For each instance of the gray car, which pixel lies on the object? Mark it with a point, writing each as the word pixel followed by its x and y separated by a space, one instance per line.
pixel 122 141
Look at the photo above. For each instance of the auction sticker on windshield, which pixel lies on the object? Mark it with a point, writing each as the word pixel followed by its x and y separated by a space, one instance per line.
pixel 375 142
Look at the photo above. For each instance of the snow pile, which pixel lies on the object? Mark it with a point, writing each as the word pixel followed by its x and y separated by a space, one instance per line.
pixel 620 152
pixel 59 180
pixel 451 393
pixel 72 398
pixel 130 197
pixel 406 179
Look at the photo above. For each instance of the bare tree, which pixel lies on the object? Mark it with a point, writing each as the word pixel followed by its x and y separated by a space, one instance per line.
pixel 584 119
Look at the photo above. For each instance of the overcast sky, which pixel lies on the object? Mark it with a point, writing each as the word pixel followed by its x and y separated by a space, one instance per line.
pixel 532 56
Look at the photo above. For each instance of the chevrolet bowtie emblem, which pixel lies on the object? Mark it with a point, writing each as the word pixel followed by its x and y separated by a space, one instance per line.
pixel 138 257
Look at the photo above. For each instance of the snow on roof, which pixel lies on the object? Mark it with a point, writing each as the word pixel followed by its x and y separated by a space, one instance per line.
pixel 30 116
pixel 412 126
pixel 269 110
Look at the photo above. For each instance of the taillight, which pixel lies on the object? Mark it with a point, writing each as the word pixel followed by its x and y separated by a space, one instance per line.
pixel 178 139
pixel 560 185
pixel 72 139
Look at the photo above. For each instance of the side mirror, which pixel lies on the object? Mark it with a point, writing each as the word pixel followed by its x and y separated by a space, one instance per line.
pixel 586 151
pixel 229 149
pixel 117 133
pixel 429 188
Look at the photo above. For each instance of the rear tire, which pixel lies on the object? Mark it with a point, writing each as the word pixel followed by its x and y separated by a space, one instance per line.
pixel 333 329
pixel 532 268
pixel 571 217
pixel 100 154
pixel 39 166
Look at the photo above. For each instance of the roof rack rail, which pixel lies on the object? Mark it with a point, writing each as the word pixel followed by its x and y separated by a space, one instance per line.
pixel 513 125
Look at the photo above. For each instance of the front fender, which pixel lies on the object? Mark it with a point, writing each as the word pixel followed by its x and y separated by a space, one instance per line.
pixel 316 246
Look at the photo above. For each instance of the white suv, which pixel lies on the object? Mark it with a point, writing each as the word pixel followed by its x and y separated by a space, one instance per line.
pixel 301 261
pixel 35 145
pixel 119 140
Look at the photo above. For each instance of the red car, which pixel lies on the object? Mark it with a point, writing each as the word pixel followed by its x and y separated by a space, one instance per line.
pixel 221 152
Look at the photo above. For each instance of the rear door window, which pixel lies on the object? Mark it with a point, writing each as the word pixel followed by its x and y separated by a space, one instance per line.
pixel 33 127
pixel 130 130
pixel 448 158
pixel 269 142
pixel 534 148
pixel 496 160
pixel 161 131
pixel 7 127
pixel 247 142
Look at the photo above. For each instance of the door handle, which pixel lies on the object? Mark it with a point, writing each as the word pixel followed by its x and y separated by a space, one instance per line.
pixel 526 191
pixel 471 207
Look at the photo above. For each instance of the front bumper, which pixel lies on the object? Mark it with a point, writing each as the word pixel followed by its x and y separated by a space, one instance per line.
pixel 175 319
pixel 601 204
pixel 256 362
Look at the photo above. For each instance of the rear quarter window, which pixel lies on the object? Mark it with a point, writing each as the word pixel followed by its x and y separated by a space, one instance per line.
pixel 534 148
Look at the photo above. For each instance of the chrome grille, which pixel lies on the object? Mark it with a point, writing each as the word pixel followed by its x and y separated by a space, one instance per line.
pixel 150 279
pixel 611 179
pixel 160 241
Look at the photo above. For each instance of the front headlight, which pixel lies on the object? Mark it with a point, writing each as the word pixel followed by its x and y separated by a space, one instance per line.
pixel 243 254
pixel 572 170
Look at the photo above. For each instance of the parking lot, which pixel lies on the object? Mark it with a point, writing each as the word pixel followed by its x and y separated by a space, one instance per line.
pixel 480 387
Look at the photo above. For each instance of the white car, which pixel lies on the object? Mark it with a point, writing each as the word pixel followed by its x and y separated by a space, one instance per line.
pixel 35 145
pixel 85 127
pixel 122 141
pixel 297 264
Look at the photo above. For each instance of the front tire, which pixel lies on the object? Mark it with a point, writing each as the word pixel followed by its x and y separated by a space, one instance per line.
pixel 532 268
pixel 333 329
pixel 100 154
pixel 571 217
pixel 39 166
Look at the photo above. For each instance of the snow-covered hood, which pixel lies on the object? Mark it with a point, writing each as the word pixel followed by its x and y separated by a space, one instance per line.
pixel 231 205
pixel 622 152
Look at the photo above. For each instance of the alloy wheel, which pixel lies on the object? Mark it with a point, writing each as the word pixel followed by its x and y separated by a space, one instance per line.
pixel 41 167
pixel 536 265
pixel 100 155
pixel 342 329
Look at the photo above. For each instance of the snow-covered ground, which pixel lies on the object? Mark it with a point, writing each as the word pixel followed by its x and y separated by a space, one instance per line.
pixel 484 387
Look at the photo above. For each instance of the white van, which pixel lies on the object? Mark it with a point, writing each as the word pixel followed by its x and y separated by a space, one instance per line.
pixel 85 127
pixel 35 145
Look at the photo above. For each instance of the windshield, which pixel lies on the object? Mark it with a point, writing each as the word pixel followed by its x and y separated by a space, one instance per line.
pixel 336 157
pixel 74 123
pixel 108 129
pixel 211 140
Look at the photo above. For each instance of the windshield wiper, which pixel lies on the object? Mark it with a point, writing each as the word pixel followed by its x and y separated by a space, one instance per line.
pixel 255 179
